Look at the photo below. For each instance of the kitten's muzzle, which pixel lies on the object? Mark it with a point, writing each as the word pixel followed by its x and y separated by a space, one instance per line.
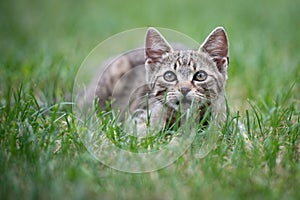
pixel 183 100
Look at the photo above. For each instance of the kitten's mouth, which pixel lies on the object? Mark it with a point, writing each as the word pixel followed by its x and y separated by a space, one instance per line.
pixel 183 101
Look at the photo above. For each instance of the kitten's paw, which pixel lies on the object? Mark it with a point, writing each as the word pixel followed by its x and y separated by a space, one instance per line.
pixel 138 124
pixel 242 131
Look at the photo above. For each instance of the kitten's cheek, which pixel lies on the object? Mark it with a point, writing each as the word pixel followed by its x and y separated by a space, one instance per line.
pixel 173 103
pixel 191 97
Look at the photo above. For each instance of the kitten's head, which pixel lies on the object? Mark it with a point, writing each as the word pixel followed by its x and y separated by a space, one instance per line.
pixel 181 77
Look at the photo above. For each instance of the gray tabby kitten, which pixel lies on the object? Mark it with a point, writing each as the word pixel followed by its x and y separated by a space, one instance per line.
pixel 169 80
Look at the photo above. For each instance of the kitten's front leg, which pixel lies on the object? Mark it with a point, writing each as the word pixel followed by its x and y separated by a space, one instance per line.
pixel 144 123
pixel 140 122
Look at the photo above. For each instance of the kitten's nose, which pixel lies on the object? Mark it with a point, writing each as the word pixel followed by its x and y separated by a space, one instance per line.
pixel 184 91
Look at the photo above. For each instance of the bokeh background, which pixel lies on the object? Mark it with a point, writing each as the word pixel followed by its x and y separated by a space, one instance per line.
pixel 42 45
pixel 42 41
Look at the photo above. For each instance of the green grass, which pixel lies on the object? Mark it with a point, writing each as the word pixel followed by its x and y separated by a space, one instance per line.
pixel 42 45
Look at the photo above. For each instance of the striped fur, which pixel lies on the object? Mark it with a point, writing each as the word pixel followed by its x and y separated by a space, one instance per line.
pixel 147 74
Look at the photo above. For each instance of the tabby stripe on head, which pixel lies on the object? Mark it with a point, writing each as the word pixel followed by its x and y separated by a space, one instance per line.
pixel 176 65
pixel 153 84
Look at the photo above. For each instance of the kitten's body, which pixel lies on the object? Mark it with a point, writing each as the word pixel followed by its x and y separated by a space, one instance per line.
pixel 157 80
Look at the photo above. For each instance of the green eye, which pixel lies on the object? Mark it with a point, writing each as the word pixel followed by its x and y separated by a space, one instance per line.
pixel 200 76
pixel 170 76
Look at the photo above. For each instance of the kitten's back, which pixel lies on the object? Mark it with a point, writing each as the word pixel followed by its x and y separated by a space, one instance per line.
pixel 120 77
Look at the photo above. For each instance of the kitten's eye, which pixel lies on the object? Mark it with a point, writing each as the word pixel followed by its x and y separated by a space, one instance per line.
pixel 170 76
pixel 200 76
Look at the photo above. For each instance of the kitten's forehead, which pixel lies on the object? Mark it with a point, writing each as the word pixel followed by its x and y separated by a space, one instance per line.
pixel 188 59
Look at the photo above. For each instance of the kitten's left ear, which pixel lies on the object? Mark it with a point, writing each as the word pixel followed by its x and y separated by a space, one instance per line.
pixel 156 45
pixel 216 45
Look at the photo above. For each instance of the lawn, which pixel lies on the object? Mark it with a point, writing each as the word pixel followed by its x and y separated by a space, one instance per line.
pixel 42 46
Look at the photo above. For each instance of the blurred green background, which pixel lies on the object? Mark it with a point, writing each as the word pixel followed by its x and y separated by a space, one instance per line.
pixel 42 45
pixel 40 38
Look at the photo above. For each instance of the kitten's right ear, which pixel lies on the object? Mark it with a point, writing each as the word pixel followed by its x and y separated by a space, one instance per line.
pixel 156 45
pixel 216 45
